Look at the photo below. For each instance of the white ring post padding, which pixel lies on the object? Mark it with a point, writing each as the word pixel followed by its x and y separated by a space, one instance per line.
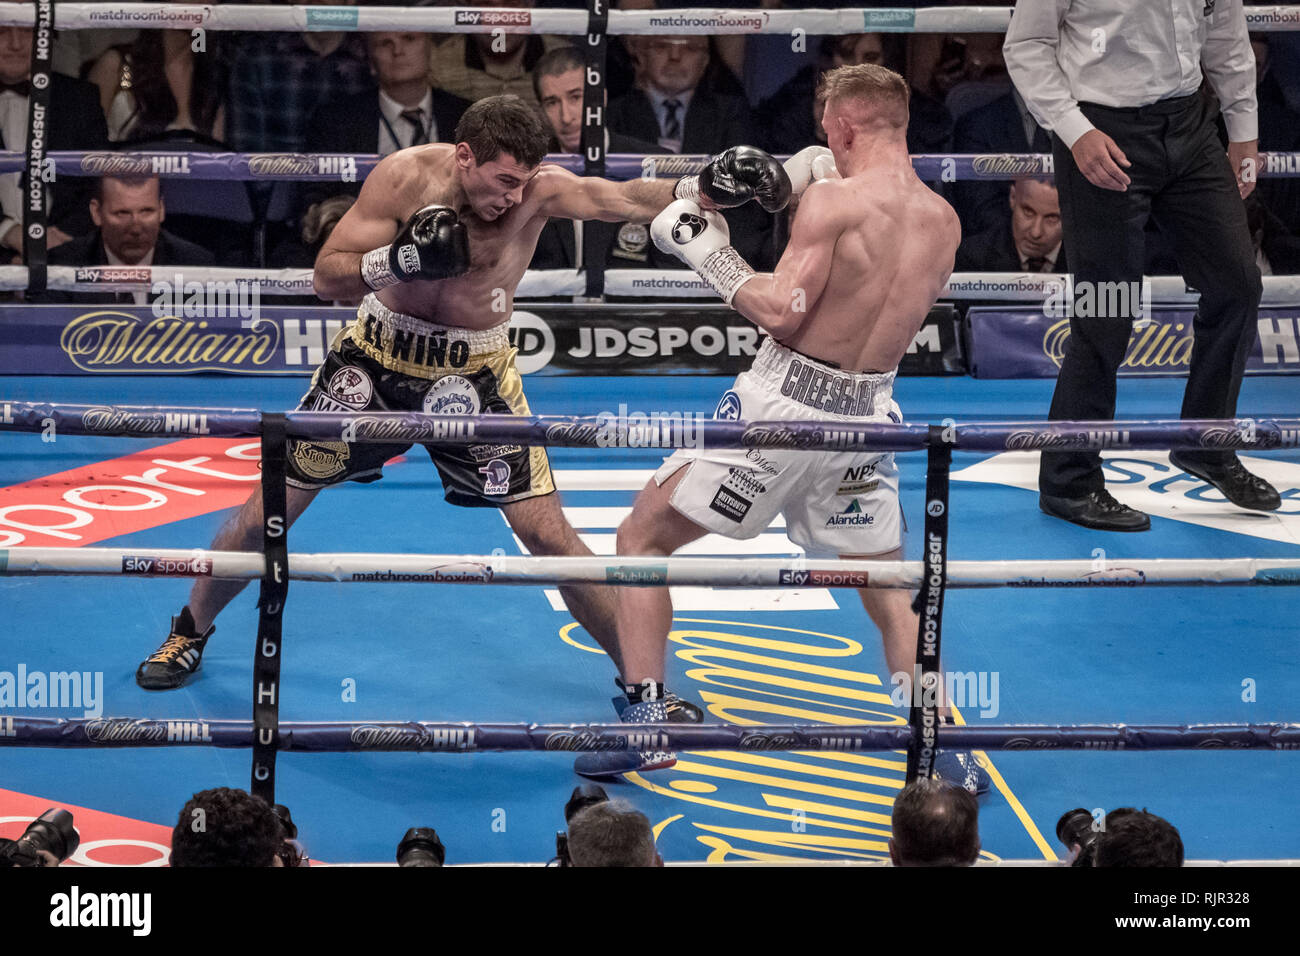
pixel 471 19
pixel 790 572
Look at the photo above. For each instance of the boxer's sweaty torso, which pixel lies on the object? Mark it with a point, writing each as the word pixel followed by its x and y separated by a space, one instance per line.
pixel 892 260
pixel 499 250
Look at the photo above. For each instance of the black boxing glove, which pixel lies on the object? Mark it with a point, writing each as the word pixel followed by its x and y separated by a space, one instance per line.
pixel 735 177
pixel 432 245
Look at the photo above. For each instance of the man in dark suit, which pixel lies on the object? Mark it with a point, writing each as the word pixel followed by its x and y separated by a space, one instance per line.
pixel 128 215
pixel 75 121
pixel 558 83
pixel 406 110
pixel 1003 126
pixel 674 109
pixel 1029 242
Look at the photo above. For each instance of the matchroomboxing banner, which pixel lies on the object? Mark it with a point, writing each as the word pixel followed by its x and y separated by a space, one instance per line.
pixel 1009 342
pixel 552 339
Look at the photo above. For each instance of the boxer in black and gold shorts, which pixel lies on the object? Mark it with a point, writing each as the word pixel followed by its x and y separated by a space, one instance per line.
pixel 389 362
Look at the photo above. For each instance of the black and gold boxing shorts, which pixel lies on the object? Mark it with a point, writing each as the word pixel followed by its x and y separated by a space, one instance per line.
pixel 386 361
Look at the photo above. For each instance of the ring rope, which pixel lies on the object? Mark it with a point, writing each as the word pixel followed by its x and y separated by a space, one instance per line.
pixel 702 571
pixel 470 737
pixel 673 431
pixel 964 19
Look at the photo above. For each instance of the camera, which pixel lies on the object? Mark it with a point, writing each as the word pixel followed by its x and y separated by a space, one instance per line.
pixel 421 847
pixel 1078 826
pixel 582 797
pixel 52 832
pixel 291 852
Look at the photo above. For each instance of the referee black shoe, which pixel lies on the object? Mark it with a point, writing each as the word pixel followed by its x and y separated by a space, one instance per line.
pixel 1237 484
pixel 1098 510
pixel 178 659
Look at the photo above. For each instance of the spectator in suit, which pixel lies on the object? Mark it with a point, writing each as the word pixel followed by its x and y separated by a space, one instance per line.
pixel 674 109
pixel 406 110
pixel 128 216
pixel 75 122
pixel 1003 126
pixel 278 80
pixel 475 65
pixel 1279 130
pixel 1030 241
pixel 558 84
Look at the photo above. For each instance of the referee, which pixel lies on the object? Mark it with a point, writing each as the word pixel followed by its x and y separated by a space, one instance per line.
pixel 1117 83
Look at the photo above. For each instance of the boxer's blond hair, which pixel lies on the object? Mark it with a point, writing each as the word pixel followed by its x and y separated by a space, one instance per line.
pixel 877 92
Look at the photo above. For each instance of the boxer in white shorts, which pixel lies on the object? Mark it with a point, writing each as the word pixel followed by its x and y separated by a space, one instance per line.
pixel 871 248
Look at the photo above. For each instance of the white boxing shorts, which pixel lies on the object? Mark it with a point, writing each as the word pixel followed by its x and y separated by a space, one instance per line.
pixel 834 502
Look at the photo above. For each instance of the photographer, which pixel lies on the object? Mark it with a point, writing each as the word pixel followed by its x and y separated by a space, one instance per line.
pixel 934 824
pixel 48 841
pixel 225 827
pixel 611 833
pixel 1126 838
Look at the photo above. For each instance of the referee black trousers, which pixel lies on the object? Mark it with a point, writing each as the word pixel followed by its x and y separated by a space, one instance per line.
pixel 1181 176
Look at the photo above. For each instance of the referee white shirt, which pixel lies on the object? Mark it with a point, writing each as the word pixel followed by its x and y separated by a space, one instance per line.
pixel 1129 53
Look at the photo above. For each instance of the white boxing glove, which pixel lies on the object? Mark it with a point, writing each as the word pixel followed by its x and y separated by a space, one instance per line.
pixel 702 241
pixel 809 165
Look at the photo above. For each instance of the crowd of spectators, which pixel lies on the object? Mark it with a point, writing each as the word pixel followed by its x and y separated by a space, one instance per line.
pixel 352 92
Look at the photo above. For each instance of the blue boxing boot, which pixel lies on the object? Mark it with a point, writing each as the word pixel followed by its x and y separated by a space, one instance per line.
pixel 648 707
pixel 960 768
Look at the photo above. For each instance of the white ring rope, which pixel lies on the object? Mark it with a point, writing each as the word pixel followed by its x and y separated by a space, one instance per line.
pixel 470 19
pixel 790 572
pixel 1279 290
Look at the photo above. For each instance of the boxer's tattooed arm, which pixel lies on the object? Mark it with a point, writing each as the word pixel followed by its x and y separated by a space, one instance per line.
pixel 780 301
pixel 589 197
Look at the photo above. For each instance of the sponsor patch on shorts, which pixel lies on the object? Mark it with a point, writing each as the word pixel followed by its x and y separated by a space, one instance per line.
pixel 851 516
pixel 452 395
pixel 731 505
pixel 349 389
pixel 858 481
pixel 496 477
pixel 321 460
pixel 728 407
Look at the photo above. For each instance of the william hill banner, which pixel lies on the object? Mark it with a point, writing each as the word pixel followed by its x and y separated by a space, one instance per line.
pixel 1011 342
pixel 552 339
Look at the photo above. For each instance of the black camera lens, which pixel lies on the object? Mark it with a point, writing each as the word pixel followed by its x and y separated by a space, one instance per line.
pixel 586 795
pixel 286 821
pixel 421 847
pixel 53 833
pixel 1075 826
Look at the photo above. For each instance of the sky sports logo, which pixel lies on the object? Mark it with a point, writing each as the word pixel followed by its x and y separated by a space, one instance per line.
pixel 155 565
pixel 824 579
pixel 495 18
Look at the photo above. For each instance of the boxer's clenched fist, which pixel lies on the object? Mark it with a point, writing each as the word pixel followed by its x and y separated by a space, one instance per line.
pixel 735 177
pixel 809 165
pixel 432 245
pixel 702 240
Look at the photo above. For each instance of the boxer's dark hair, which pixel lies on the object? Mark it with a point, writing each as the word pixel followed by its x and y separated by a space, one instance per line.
pixel 504 124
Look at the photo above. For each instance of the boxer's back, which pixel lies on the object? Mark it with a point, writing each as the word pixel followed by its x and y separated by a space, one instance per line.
pixel 892 259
